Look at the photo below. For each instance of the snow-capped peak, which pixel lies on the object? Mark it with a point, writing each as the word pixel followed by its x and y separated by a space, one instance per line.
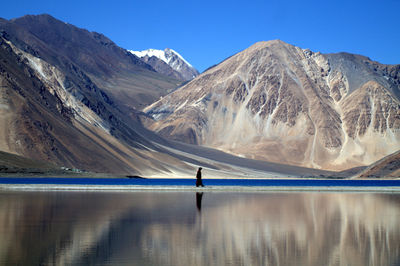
pixel 172 58
pixel 165 55
pixel 151 52
pixel 176 53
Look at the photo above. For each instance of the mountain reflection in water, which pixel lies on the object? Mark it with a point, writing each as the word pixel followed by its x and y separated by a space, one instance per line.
pixel 182 228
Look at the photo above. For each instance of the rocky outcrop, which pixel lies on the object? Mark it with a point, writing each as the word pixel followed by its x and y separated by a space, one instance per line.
pixel 280 103
pixel 162 67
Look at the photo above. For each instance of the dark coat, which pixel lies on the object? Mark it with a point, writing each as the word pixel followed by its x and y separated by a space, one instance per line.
pixel 199 183
pixel 198 175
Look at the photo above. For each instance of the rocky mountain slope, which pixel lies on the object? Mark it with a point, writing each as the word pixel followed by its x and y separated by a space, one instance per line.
pixel 168 62
pixel 64 118
pixel 53 109
pixel 63 100
pixel 129 81
pixel 388 166
pixel 11 163
pixel 280 103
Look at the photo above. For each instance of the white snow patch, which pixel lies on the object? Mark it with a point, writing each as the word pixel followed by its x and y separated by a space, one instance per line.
pixel 151 52
pixel 164 55
pixel 181 57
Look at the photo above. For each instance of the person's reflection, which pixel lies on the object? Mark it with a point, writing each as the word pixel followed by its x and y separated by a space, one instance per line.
pixel 199 196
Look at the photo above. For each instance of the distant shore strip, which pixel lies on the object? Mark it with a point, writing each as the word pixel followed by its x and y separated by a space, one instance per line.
pixel 179 184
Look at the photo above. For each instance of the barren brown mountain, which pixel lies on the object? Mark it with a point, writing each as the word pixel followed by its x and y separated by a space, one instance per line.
pixel 388 166
pixel 280 103
pixel 53 109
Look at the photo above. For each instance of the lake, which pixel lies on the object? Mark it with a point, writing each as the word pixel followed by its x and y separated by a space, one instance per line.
pixel 188 183
pixel 194 228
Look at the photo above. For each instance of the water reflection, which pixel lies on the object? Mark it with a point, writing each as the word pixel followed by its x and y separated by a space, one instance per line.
pixel 199 197
pixel 153 228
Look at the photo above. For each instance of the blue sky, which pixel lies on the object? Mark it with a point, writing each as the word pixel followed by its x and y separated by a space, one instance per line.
pixel 206 32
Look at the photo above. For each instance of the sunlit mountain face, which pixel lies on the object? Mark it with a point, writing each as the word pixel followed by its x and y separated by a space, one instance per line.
pixel 182 228
pixel 281 103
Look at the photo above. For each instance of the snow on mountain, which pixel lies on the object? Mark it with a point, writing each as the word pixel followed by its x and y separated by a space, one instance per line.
pixel 160 54
pixel 184 70
pixel 170 53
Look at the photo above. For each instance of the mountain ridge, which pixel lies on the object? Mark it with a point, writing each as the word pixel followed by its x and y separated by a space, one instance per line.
pixel 388 166
pixel 289 105
pixel 70 47
pixel 54 110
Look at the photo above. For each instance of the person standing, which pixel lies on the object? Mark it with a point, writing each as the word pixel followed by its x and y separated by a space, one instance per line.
pixel 199 182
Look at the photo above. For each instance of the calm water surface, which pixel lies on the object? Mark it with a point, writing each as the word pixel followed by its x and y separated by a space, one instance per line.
pixel 189 228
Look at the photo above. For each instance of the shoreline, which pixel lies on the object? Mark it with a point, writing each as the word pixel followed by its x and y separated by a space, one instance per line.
pixel 111 176
pixel 136 188
pixel 188 184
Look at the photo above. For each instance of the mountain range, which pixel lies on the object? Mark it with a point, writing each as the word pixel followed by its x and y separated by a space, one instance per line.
pixel 74 98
